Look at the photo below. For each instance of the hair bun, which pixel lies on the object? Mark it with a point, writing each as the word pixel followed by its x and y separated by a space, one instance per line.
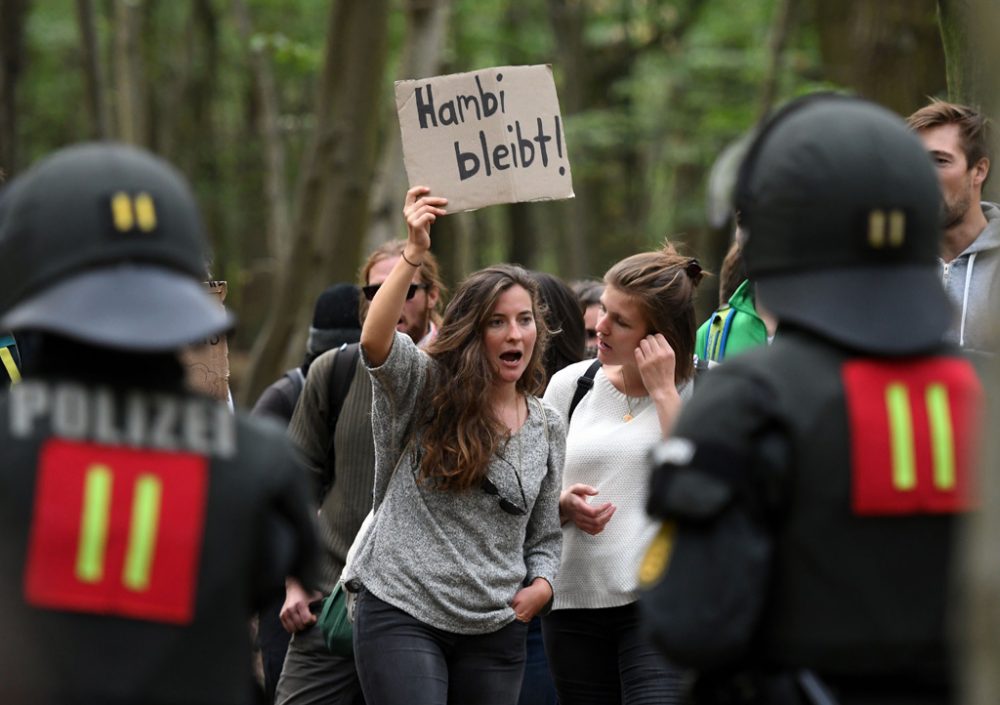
pixel 694 270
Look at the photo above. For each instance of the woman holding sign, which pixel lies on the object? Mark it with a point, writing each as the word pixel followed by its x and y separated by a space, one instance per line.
pixel 465 541
pixel 645 354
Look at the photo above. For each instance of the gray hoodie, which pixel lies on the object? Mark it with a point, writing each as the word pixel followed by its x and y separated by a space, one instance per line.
pixel 971 280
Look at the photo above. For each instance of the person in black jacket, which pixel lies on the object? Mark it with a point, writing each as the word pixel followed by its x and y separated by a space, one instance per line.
pixel 335 323
pixel 140 524
pixel 811 490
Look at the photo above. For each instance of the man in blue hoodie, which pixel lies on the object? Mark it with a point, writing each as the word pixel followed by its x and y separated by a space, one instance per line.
pixel 956 137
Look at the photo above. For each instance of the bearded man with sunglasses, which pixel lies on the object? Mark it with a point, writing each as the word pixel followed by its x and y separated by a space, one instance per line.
pixel 332 425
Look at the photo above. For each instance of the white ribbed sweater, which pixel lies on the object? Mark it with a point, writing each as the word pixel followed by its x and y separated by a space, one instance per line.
pixel 604 451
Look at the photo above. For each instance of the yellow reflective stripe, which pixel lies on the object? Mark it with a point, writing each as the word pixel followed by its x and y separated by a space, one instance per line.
pixel 142 532
pixel 904 470
pixel 94 524
pixel 897 228
pixel 121 212
pixel 145 213
pixel 942 437
pixel 9 365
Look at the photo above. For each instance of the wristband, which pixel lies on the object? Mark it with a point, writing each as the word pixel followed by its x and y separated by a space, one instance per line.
pixel 412 264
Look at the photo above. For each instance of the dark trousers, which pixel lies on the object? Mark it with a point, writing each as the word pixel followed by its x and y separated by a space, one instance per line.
pixel 402 661
pixel 803 687
pixel 273 641
pixel 598 657
pixel 313 676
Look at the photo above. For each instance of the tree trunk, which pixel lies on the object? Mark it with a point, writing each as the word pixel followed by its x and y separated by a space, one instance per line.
pixel 274 147
pixel 426 29
pixel 12 17
pixel 781 22
pixel 329 224
pixel 968 29
pixel 889 51
pixel 523 243
pixel 128 72
pixel 978 575
pixel 968 32
pixel 93 78
pixel 568 19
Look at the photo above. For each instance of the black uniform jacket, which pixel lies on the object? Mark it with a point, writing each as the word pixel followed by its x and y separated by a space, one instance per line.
pixel 814 493
pixel 138 532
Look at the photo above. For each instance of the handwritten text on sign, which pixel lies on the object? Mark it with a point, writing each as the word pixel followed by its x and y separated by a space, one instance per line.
pixel 491 136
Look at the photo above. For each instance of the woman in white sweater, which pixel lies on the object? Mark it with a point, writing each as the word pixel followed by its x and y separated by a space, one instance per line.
pixel 646 333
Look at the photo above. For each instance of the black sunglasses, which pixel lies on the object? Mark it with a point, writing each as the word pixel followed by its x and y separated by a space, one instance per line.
pixel 369 291
pixel 505 504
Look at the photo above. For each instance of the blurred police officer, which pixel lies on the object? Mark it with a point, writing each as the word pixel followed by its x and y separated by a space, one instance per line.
pixel 816 484
pixel 140 524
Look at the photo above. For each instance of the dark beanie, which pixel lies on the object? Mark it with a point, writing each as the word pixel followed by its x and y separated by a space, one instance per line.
pixel 335 321
pixel 337 307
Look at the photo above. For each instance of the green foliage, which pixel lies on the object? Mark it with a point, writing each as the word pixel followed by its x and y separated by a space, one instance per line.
pixel 656 92
pixel 50 89
pixel 288 55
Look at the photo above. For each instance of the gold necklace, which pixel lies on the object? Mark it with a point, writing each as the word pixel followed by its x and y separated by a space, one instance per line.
pixel 628 402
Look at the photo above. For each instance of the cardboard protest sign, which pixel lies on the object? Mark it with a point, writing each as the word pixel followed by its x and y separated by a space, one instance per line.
pixel 207 363
pixel 485 137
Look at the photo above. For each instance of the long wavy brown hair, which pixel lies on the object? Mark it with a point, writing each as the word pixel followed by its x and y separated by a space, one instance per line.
pixel 460 430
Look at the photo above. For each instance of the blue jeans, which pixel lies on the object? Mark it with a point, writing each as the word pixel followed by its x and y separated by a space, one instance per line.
pixel 537 688
pixel 402 661
pixel 598 657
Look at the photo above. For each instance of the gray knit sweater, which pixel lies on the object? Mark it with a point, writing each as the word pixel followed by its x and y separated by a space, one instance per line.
pixel 454 560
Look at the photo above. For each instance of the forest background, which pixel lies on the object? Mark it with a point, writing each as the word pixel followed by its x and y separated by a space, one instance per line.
pixel 281 113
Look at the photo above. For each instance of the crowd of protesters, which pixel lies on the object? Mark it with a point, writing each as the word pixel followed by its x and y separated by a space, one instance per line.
pixel 479 462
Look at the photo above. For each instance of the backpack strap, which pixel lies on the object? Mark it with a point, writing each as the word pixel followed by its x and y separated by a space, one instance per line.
pixel 584 384
pixel 10 362
pixel 292 389
pixel 718 334
pixel 345 362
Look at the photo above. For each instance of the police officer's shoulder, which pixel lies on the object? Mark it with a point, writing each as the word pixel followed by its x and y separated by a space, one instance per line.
pixel 263 441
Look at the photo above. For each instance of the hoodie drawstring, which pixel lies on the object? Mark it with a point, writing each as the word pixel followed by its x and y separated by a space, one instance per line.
pixel 965 299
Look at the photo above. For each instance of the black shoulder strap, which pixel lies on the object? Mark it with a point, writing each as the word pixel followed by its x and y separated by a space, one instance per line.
pixel 584 384
pixel 341 375
pixel 293 389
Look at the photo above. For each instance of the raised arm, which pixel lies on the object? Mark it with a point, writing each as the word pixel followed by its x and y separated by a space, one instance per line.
pixel 377 333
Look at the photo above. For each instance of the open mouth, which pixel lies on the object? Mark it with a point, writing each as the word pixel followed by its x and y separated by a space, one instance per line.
pixel 512 357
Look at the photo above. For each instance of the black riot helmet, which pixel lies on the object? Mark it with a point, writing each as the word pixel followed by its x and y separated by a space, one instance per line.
pixel 841 208
pixel 103 243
